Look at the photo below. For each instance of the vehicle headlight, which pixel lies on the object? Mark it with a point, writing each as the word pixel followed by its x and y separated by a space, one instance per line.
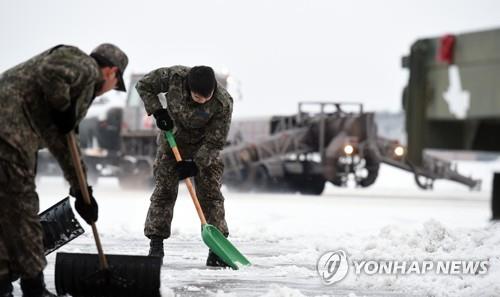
pixel 399 151
pixel 348 149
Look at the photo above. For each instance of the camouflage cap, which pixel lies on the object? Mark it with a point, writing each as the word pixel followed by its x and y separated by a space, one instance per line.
pixel 116 57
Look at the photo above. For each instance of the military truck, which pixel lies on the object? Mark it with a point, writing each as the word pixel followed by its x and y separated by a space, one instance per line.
pixel 452 100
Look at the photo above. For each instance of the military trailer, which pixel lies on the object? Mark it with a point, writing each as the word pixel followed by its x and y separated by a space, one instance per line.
pixel 329 144
pixel 452 100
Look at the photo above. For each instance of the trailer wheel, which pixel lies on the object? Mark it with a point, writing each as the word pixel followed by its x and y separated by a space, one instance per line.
pixel 312 186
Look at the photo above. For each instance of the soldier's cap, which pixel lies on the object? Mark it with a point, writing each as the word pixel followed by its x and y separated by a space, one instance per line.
pixel 111 54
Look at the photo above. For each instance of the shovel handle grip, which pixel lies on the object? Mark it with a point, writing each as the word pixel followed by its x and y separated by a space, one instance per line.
pixel 171 140
pixel 173 145
pixel 75 157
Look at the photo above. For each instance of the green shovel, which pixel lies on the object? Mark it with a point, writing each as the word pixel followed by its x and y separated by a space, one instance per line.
pixel 211 236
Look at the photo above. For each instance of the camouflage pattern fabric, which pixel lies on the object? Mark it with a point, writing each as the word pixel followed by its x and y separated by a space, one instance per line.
pixel 29 91
pixel 53 79
pixel 21 242
pixel 201 132
pixel 204 125
pixel 207 184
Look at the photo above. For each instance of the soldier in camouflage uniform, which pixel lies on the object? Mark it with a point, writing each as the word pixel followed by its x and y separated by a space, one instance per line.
pixel 199 110
pixel 41 100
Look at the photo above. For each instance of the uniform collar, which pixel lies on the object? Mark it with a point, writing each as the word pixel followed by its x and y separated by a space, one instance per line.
pixel 99 81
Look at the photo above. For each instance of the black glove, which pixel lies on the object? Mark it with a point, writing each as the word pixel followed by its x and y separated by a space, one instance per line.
pixel 65 120
pixel 163 120
pixel 186 168
pixel 87 212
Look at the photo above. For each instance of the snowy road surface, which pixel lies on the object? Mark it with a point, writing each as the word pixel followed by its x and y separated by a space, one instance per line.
pixel 284 235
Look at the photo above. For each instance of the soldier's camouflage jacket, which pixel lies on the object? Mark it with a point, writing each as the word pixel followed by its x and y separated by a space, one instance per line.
pixel 54 79
pixel 200 125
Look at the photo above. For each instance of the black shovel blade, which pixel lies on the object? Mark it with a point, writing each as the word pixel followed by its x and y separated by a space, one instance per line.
pixel 79 275
pixel 59 226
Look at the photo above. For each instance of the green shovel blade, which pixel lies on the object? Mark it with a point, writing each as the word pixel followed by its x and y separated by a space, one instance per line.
pixel 222 247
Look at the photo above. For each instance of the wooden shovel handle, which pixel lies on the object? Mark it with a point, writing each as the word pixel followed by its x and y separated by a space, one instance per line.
pixel 189 184
pixel 75 156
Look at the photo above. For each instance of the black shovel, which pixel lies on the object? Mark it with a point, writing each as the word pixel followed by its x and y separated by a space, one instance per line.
pixel 59 226
pixel 100 275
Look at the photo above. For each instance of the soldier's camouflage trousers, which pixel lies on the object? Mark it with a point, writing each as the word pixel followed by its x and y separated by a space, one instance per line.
pixel 21 242
pixel 207 184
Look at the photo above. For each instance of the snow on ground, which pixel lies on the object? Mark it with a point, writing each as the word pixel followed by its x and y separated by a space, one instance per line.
pixel 284 235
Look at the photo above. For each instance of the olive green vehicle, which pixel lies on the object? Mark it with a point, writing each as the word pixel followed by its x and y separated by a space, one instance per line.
pixel 452 100
pixel 454 103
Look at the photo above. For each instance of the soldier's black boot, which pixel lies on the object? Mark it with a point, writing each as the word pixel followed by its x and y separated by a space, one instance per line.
pixel 5 288
pixel 156 247
pixel 35 287
pixel 214 261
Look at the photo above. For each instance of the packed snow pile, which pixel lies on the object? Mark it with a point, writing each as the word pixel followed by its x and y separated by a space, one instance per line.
pixel 432 242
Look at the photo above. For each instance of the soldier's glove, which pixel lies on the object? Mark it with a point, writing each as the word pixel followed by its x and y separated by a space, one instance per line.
pixel 86 211
pixel 163 120
pixel 186 168
pixel 65 120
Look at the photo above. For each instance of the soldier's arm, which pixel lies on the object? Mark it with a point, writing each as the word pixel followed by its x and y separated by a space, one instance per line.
pixel 58 146
pixel 151 85
pixel 62 70
pixel 61 73
pixel 215 137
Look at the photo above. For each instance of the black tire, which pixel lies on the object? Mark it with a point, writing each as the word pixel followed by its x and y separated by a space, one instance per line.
pixel 312 187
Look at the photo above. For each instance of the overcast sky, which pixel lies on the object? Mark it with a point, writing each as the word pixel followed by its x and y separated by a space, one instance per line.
pixel 281 51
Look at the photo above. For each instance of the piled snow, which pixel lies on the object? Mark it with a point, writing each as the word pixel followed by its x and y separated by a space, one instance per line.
pixel 432 241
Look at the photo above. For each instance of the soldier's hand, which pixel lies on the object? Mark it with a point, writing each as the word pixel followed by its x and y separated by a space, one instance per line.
pixel 88 212
pixel 186 168
pixel 64 120
pixel 163 120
